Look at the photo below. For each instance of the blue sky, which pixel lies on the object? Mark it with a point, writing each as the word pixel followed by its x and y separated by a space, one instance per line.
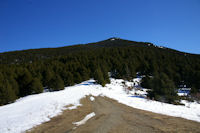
pixel 26 24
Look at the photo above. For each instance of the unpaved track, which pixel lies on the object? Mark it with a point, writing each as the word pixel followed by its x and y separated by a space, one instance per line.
pixel 113 117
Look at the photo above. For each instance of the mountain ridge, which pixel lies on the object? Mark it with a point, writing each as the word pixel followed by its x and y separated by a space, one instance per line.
pixel 98 43
pixel 45 53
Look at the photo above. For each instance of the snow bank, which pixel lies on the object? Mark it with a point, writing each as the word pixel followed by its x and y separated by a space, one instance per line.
pixel 33 110
pixel 87 117
pixel 191 111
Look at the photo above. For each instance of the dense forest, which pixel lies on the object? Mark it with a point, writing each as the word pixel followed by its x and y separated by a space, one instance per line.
pixel 31 71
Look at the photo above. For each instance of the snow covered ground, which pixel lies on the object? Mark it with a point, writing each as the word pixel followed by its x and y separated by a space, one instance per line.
pixel 33 110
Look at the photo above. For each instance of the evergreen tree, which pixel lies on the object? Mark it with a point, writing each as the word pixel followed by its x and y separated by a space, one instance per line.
pixel 7 94
pixel 24 82
pixel 146 82
pixel 47 76
pixel 35 86
pixel 69 79
pixel 56 83
pixel 163 89
pixel 14 85
pixel 77 77
pixel 84 72
pixel 105 74
pixel 126 72
pixel 98 76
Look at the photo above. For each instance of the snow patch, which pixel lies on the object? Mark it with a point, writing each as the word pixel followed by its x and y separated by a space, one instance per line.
pixel 92 98
pixel 87 117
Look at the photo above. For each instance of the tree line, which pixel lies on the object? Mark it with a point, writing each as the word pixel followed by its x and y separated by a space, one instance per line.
pixel 167 67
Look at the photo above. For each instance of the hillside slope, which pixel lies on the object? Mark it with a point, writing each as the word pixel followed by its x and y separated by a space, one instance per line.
pixel 29 72
pixel 46 53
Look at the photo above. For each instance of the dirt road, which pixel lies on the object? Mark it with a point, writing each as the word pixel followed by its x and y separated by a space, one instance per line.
pixel 113 117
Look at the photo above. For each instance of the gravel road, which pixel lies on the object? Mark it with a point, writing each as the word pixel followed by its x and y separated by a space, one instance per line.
pixel 113 117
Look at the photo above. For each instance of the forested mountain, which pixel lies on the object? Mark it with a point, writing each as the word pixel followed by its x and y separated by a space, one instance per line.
pixel 46 53
pixel 31 71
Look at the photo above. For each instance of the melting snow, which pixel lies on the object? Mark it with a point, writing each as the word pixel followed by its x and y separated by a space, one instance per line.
pixel 92 99
pixel 87 117
pixel 33 110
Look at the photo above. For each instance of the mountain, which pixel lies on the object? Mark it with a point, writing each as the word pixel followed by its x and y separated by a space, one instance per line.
pixel 46 53
pixel 32 71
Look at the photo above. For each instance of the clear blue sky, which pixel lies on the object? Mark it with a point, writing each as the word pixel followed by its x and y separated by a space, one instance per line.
pixel 26 24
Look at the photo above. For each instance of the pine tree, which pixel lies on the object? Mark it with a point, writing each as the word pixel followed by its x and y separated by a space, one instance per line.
pixel 35 86
pixel 77 77
pixel 126 72
pixel 163 89
pixel 24 82
pixel 69 79
pixel 84 72
pixel 47 76
pixel 146 82
pixel 7 94
pixel 98 76
pixel 105 74
pixel 56 83
pixel 14 85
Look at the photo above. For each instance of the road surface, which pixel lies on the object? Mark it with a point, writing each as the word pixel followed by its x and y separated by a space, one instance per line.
pixel 113 117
